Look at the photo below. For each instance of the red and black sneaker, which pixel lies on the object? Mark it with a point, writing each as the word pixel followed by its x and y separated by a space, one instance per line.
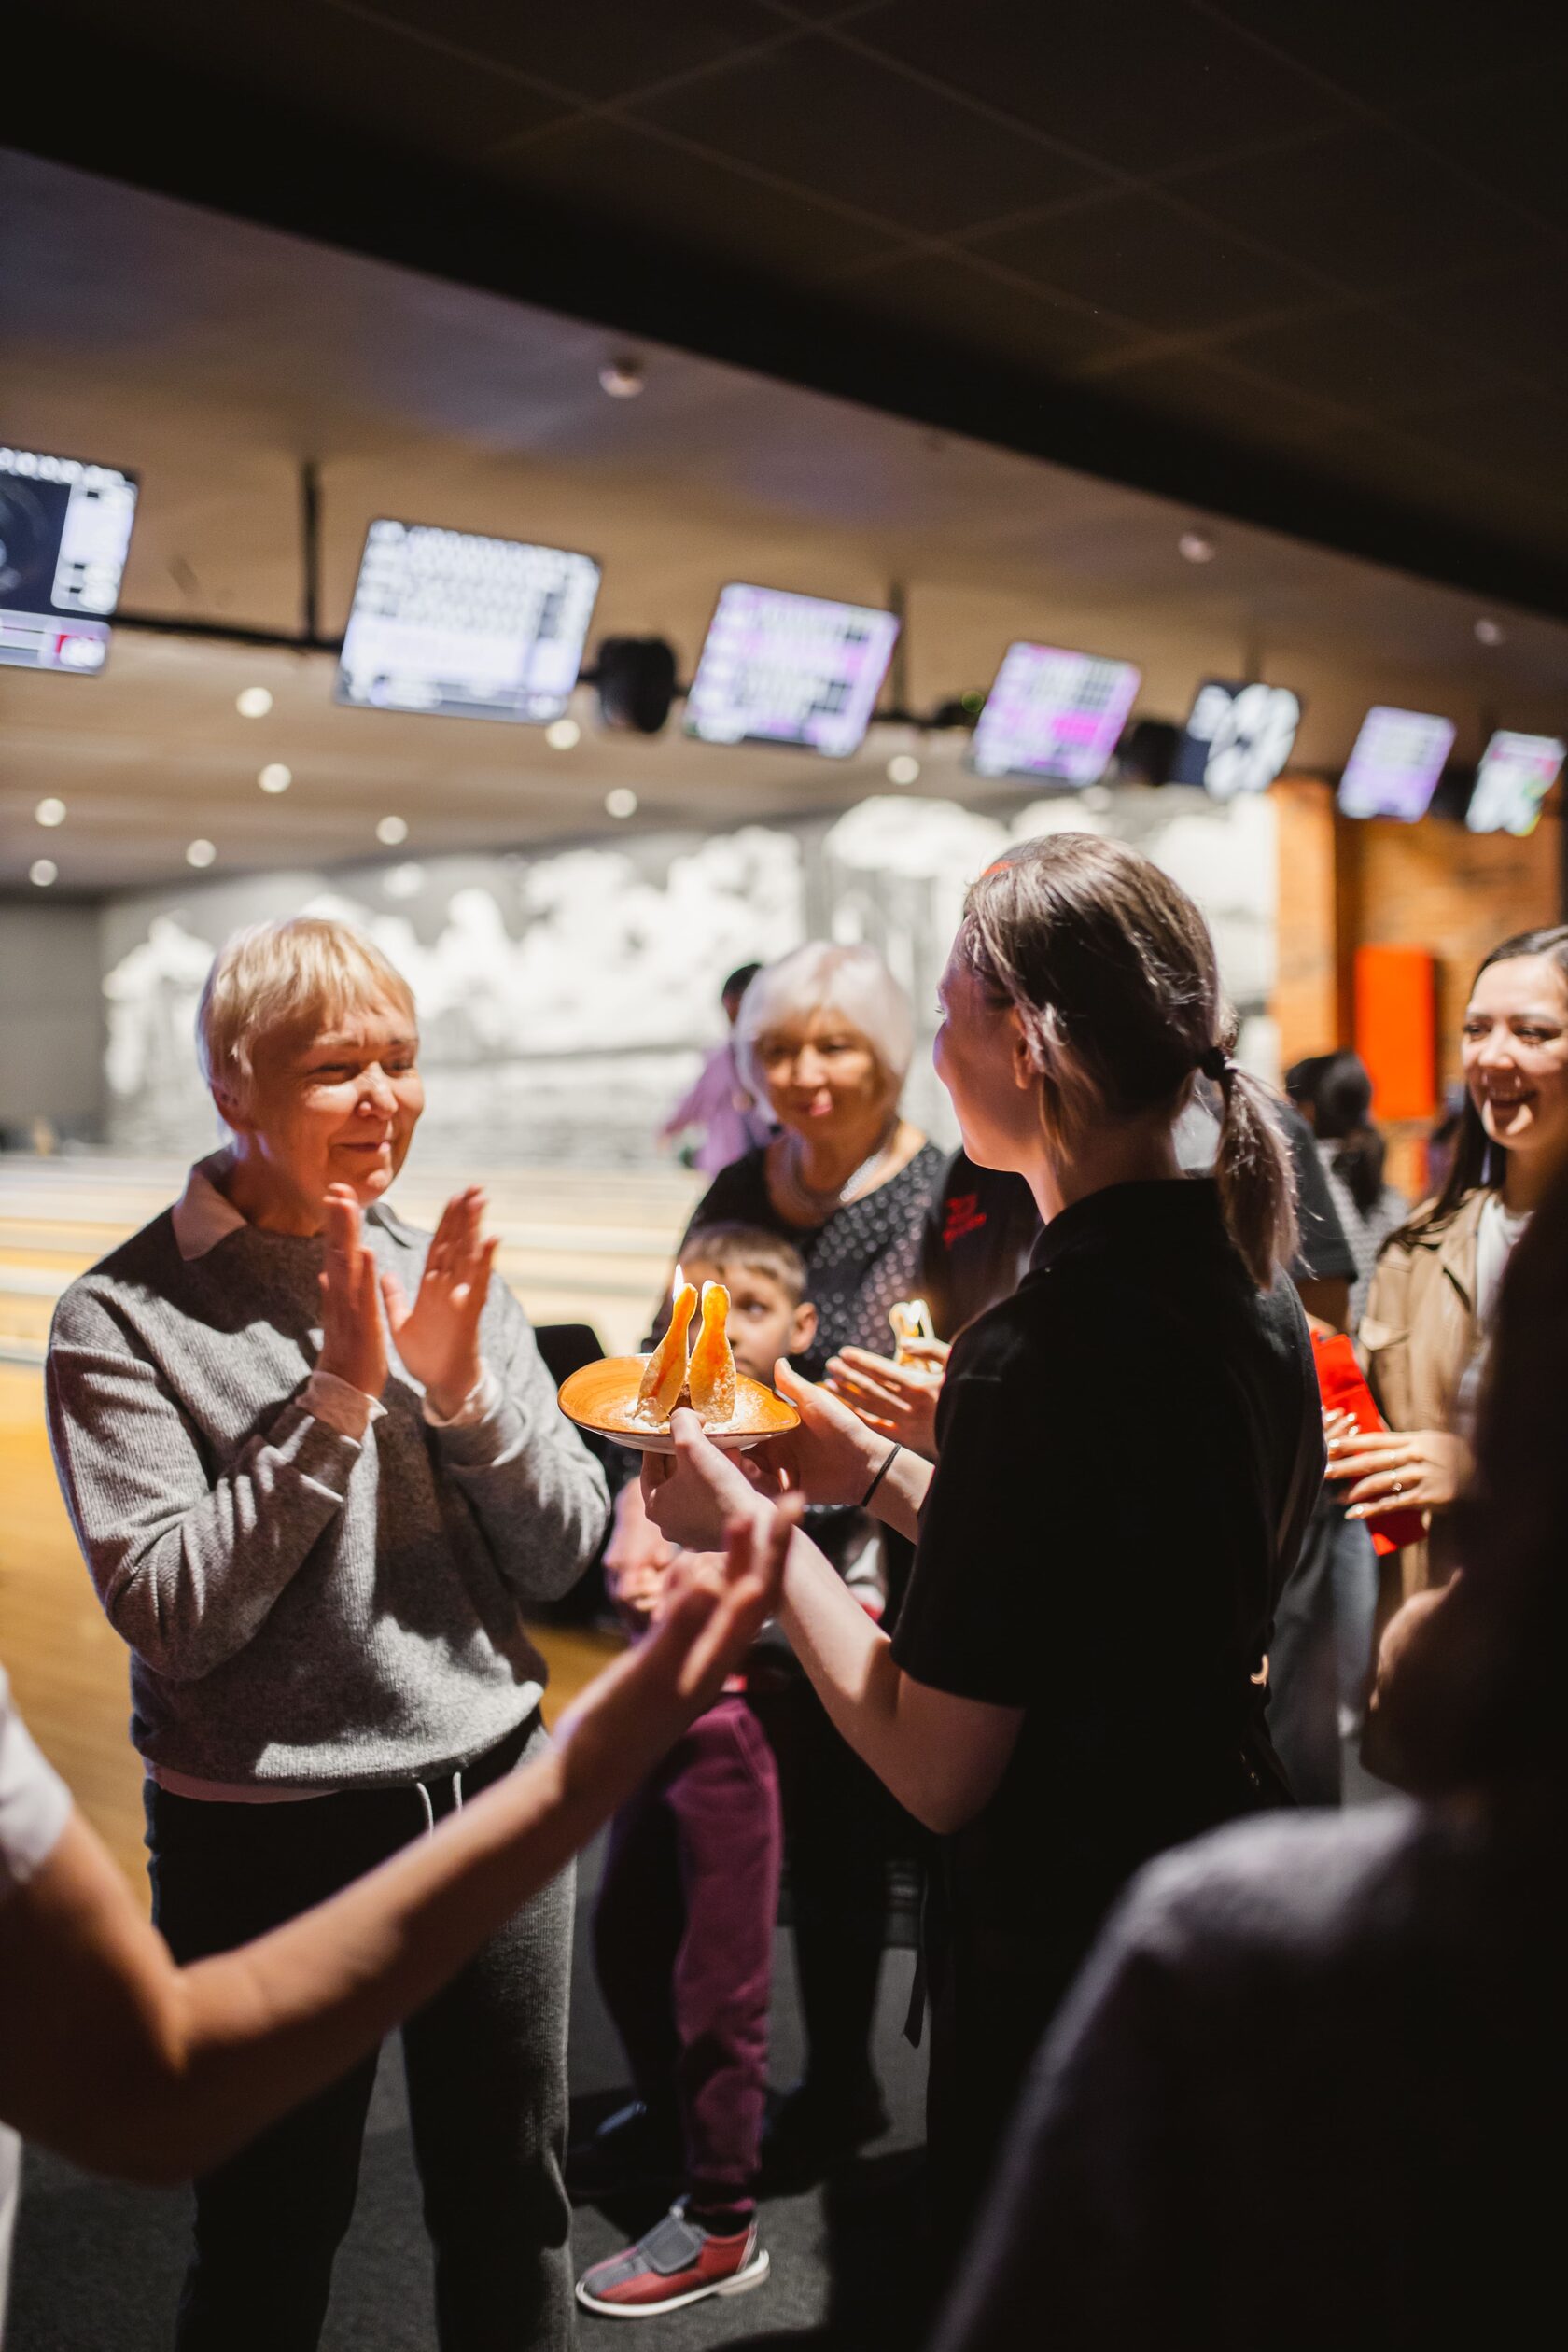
pixel 676 2262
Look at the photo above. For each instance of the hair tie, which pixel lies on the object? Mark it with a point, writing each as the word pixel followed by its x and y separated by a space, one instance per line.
pixel 1214 1063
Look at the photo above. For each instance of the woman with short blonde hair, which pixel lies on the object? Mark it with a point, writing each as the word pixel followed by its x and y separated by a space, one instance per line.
pixel 317 1470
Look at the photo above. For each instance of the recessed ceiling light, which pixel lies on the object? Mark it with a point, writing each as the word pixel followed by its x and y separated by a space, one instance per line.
pixel 50 811
pixel 275 777
pixel 42 871
pixel 253 702
pixel 1489 632
pixel 404 881
pixel 199 853
pixel 392 830
pixel 1196 547
pixel 903 768
pixel 622 378
pixel 563 734
pixel 622 802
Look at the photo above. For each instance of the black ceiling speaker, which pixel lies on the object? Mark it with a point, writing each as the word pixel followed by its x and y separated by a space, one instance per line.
pixel 634 681
pixel 1146 754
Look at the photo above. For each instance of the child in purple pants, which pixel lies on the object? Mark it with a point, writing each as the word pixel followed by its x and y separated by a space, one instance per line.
pixel 683 1930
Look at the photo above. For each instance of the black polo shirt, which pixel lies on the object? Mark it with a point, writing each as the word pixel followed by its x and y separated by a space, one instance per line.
pixel 1129 1447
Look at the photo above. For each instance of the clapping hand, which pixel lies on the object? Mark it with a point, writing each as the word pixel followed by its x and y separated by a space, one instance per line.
pixel 899 1400
pixel 353 1341
pixel 437 1337
pixel 712 1609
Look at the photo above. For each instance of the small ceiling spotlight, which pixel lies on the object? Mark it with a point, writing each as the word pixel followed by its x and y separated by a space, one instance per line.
pixel 199 853
pixel 622 802
pixel 1489 632
pixel 392 830
pixel 253 702
pixel 563 734
pixel 50 811
pixel 623 378
pixel 403 881
pixel 275 777
pixel 1195 547
pixel 903 768
pixel 42 871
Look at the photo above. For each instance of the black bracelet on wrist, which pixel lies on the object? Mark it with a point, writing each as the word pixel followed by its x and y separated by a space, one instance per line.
pixel 887 1466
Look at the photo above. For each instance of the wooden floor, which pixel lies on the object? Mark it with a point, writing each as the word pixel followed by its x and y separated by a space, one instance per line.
pixel 584 1248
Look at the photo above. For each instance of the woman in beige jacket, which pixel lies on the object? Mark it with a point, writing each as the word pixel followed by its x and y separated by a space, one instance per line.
pixel 1423 1334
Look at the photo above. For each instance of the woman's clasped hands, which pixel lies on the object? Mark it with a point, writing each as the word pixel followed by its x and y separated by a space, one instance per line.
pixel 437 1338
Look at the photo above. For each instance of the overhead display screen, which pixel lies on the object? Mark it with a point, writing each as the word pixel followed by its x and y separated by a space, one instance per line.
pixel 1237 737
pixel 1397 761
pixel 65 532
pixel 464 626
pixel 1053 713
pixel 780 668
pixel 1516 773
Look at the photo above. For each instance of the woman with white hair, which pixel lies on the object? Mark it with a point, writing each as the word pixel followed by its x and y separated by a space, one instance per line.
pixel 317 1470
pixel 824 1038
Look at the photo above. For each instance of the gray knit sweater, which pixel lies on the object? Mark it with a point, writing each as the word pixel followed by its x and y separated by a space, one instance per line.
pixel 302 1608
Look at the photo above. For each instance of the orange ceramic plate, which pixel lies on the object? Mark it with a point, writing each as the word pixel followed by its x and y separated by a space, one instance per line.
pixel 602 1398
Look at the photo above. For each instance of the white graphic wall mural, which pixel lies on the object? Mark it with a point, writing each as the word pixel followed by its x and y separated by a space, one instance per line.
pixel 566 998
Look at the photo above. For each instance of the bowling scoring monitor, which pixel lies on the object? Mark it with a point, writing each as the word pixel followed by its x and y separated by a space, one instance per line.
pixel 65 533
pixel 782 669
pixel 1053 713
pixel 462 625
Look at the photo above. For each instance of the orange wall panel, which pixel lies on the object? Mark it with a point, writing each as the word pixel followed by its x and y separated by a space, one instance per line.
pixel 1396 1029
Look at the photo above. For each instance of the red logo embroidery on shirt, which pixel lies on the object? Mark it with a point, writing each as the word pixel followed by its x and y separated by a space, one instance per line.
pixel 964 1216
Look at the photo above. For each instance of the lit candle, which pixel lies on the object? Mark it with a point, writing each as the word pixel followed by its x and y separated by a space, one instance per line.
pixel 663 1375
pixel 711 1371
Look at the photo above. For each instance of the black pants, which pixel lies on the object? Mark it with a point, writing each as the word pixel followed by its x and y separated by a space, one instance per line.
pixel 485 2065
pixel 840 1827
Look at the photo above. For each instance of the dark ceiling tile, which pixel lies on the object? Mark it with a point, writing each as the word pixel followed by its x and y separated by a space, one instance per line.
pixel 1363 359
pixel 1390 56
pixel 1142 87
pixel 1466 486
pixel 1509 133
pixel 599 48
pixel 1136 256
pixel 950 299
pixel 1517 433
pixel 1365 208
pixel 1196 393
pixel 831 121
pixel 665 195
pixel 1516 316
pixel 316 60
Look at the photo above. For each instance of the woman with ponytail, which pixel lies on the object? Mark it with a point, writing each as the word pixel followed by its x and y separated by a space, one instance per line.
pixel 1128 1449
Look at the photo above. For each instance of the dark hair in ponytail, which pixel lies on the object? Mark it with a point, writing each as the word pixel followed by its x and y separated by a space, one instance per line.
pixel 1474 1163
pixel 1339 1090
pixel 1111 971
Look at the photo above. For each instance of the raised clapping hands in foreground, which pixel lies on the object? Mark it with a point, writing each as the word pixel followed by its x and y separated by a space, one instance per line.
pixel 710 1608
pixel 437 1337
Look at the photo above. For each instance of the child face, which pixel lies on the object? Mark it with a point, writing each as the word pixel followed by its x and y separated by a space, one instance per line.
pixel 765 1323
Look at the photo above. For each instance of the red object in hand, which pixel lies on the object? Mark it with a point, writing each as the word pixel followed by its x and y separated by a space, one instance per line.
pixel 1342 1385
